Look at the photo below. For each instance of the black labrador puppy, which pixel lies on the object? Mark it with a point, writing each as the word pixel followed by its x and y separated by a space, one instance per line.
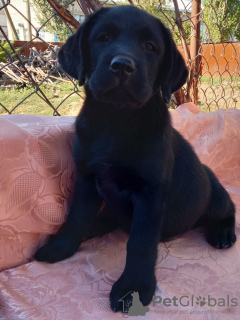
pixel 127 153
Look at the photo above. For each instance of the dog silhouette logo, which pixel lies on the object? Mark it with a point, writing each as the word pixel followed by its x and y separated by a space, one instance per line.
pixel 136 308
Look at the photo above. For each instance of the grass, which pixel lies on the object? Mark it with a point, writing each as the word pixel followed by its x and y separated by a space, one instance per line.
pixel 216 81
pixel 70 98
pixel 35 104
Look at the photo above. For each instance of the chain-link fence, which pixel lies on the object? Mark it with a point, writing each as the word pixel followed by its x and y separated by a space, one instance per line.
pixel 32 31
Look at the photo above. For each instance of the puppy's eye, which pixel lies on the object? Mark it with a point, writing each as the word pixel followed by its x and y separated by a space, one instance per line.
pixel 150 46
pixel 103 37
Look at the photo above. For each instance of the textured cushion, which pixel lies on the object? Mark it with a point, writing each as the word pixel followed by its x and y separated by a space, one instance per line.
pixel 36 180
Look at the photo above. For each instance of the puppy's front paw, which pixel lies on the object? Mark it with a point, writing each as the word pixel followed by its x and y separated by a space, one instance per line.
pixel 132 289
pixel 56 250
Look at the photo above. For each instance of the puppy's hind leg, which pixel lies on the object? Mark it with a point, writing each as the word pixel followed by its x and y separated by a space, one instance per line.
pixel 220 216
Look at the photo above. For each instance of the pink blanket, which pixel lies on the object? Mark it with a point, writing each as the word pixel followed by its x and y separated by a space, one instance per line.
pixel 195 281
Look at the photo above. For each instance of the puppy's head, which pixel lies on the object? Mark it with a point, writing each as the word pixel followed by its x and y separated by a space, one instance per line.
pixel 124 55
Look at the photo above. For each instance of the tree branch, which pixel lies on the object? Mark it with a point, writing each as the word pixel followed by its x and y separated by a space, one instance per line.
pixel 94 4
pixel 64 13
pixel 180 96
pixel 178 21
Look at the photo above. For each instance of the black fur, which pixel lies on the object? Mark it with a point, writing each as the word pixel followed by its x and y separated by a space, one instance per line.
pixel 127 153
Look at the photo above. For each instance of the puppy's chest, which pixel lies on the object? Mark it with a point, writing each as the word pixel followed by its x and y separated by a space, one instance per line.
pixel 118 182
pixel 115 166
pixel 125 157
pixel 102 148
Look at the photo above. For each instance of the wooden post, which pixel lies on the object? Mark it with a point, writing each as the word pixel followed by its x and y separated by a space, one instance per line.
pixel 29 27
pixel 194 46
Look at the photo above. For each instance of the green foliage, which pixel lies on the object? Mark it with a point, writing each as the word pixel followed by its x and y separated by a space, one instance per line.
pixel 222 18
pixel 5 51
pixel 55 25
pixel 163 11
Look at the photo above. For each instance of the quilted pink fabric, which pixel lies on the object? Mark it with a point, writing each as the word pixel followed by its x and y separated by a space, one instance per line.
pixel 195 281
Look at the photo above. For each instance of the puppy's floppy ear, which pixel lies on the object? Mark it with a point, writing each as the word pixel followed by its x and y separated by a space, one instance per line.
pixel 74 56
pixel 173 71
pixel 70 56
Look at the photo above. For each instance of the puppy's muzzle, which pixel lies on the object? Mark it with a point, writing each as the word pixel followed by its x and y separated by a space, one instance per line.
pixel 122 65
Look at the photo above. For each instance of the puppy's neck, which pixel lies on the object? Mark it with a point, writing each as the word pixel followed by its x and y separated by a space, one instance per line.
pixel 126 128
pixel 155 107
pixel 147 123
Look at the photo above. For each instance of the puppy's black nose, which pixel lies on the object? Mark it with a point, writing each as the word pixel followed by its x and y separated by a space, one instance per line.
pixel 122 64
